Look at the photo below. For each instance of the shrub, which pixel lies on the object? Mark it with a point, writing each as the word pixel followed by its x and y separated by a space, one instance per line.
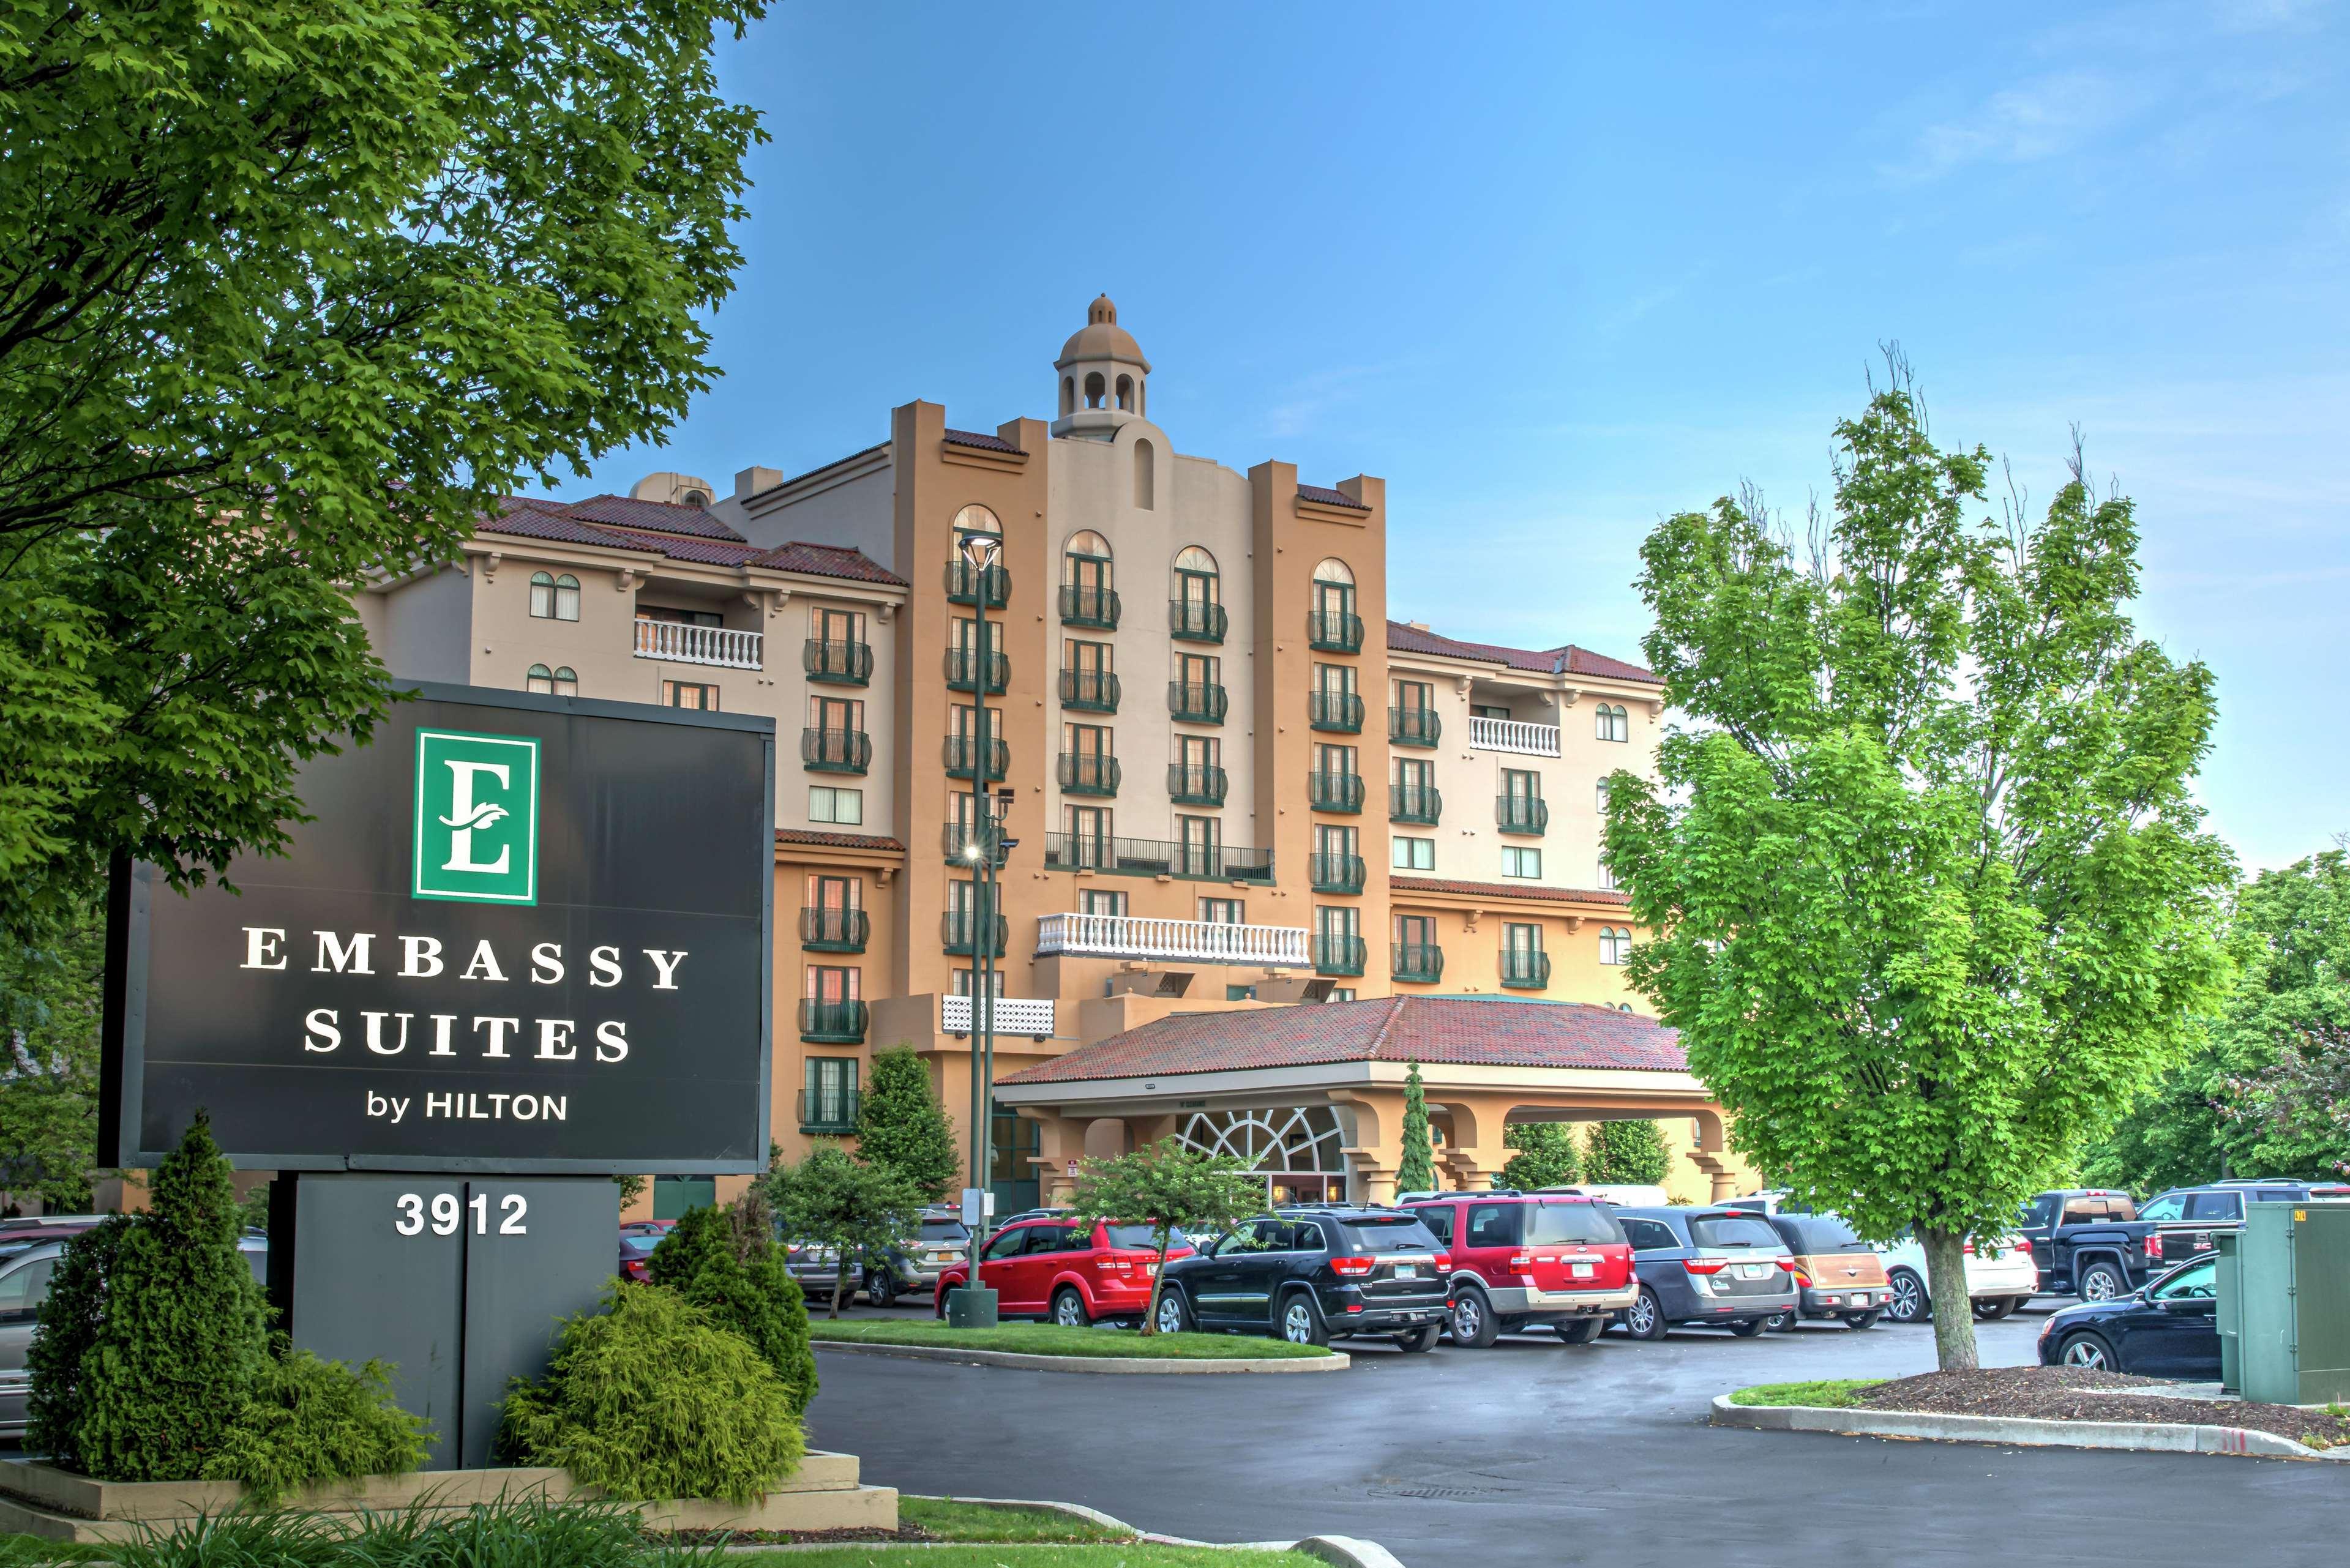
pixel 902 1124
pixel 1545 1155
pixel 727 1264
pixel 69 1326
pixel 313 1420
pixel 1631 1153
pixel 653 1398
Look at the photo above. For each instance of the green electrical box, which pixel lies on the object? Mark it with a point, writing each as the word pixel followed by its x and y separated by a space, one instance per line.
pixel 2285 1303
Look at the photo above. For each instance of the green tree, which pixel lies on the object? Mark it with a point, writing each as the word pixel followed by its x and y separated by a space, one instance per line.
pixel 52 964
pixel 860 1213
pixel 1545 1155
pixel 1417 1171
pixel 1929 898
pixel 902 1124
pixel 726 1262
pixel 1631 1154
pixel 58 1360
pixel 344 272
pixel 1173 1190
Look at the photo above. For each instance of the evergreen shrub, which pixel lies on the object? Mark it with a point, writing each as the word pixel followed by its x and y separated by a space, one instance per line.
pixel 1627 1153
pixel 727 1264
pixel 313 1420
pixel 1543 1155
pixel 901 1124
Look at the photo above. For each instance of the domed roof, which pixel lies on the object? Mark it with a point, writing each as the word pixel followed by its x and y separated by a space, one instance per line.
pixel 1101 337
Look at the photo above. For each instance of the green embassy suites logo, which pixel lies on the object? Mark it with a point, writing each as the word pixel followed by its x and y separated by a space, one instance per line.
pixel 476 817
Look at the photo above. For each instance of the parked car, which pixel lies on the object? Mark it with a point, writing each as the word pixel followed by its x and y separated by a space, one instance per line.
pixel 2089 1242
pixel 1725 1267
pixel 2000 1278
pixel 27 1231
pixel 1837 1274
pixel 23 1286
pixel 1314 1273
pixel 2170 1328
pixel 2186 1218
pixel 942 1240
pixel 635 1253
pixel 1624 1195
pixel 1072 1271
pixel 1529 1260
pixel 656 1228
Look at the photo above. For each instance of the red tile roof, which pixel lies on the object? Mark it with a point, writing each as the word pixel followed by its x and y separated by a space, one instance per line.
pixel 618 523
pixel 828 561
pixel 1509 890
pixel 526 521
pixel 1316 492
pixel 1454 1030
pixel 661 516
pixel 1566 658
pixel 838 840
pixel 984 442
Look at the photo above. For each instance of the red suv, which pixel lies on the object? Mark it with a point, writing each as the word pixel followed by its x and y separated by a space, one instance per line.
pixel 1070 1271
pixel 1520 1260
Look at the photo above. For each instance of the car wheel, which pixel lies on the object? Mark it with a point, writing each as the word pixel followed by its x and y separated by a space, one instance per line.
pixel 1910 1302
pixel 1745 1327
pixel 880 1289
pixel 1174 1313
pixel 1991 1308
pixel 1301 1320
pixel 1645 1318
pixel 1070 1308
pixel 1868 1319
pixel 2103 1282
pixel 1473 1327
pixel 1581 1329
pixel 2089 1352
pixel 1419 1341
pixel 1782 1321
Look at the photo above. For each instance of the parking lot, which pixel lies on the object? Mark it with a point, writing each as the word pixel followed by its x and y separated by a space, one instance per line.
pixel 1533 1452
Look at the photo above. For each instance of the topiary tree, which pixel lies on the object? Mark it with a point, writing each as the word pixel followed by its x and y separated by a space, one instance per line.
pixel 861 1212
pixel 1630 1154
pixel 69 1326
pixel 726 1262
pixel 180 1341
pixel 1545 1155
pixel 902 1124
pixel 1417 1172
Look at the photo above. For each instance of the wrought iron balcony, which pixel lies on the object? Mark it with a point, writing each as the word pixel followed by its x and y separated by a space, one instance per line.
pixel 1156 857
pixel 1338 955
pixel 965 583
pixel 1333 631
pixel 1189 620
pixel 1418 803
pixel 1509 735
pixel 1195 784
pixel 1095 608
pixel 1197 701
pixel 1335 792
pixel 829 1111
pixel 1089 691
pixel 1414 727
pixel 1178 941
pixel 838 663
pixel 966 665
pixel 1089 772
pixel 831 930
pixel 1335 873
pixel 682 644
pixel 1521 813
pixel 1421 963
pixel 832 1022
pixel 1524 971
pixel 836 751
pixel 963 932
pixel 956 842
pixel 964 755
pixel 1340 711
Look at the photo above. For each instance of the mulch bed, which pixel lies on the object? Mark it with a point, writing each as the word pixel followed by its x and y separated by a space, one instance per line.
pixel 2077 1394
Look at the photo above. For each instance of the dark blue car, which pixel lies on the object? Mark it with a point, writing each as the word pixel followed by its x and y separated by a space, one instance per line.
pixel 2167 1329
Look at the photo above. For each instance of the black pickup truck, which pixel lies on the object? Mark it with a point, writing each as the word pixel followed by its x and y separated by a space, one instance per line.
pixel 2090 1242
pixel 2185 1218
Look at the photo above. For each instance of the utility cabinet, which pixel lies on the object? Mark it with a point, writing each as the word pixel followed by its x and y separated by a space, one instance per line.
pixel 2285 1303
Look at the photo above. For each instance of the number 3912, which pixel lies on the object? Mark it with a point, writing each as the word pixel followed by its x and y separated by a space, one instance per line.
pixel 446 1214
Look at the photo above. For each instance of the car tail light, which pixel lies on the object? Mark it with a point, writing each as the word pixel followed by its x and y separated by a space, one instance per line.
pixel 1352 1267
pixel 1966 1249
pixel 1703 1265
pixel 1444 1262
pixel 2154 1248
pixel 1521 1262
pixel 2018 1245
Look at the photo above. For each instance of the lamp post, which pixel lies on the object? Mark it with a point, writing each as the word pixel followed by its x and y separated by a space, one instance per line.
pixel 976 1305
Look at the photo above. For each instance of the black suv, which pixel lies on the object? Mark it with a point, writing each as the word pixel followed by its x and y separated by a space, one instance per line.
pixel 1309 1274
pixel 2186 1218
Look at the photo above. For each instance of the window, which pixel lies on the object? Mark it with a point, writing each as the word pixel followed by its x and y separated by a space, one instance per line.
pixel 1415 930
pixel 1126 394
pixel 831 1086
pixel 1648 1235
pixel 1333 596
pixel 1521 785
pixel 1614 944
pixel 1093 901
pixel 1013 1242
pixel 1552 1225
pixel 25 1291
pixel 669 617
pixel 1340 994
pixel 842 806
pixel 1414 853
pixel 1091 834
pixel 1331 840
pixel 2199 1283
pixel 1614 724
pixel 567 680
pixel 1197 752
pixel 838 715
pixel 689 694
pixel 1195 575
pixel 1415 696
pixel 1337 921
pixel 1200 838
pixel 552 598
pixel 1488 710
pixel 1438 1218
pixel 959 983
pixel 2215 1205
pixel 540 680
pixel 1491 1225
pixel 976 519
pixel 1240 993
pixel 1086 563
pixel 1522 940
pixel 1600 797
pixel 1223 911
pixel 1606 873
pixel 2169 1206
pixel 1521 862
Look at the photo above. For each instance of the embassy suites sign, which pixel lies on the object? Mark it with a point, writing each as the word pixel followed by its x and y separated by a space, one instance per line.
pixel 520 933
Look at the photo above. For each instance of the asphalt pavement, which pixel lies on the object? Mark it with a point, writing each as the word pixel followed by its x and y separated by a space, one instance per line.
pixel 1537 1452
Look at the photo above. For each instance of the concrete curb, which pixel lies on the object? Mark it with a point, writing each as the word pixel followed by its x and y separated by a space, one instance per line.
pixel 2017 1431
pixel 1113 1365
pixel 1341 1551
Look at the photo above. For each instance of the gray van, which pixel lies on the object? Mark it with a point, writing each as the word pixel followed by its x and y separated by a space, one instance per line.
pixel 1726 1267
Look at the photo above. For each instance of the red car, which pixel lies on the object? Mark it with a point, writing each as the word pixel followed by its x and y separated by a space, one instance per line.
pixel 1529 1259
pixel 1072 1271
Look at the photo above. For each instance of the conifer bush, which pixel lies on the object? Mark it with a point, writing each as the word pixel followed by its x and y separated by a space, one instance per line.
pixel 901 1124
pixel 1631 1153
pixel 727 1264
pixel 67 1327
pixel 312 1420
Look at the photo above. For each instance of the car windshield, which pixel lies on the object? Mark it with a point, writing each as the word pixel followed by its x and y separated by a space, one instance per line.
pixel 1548 1223
pixel 1732 1231
pixel 1389 1233
pixel 639 1245
pixel 2197 1281
pixel 1143 1237
pixel 1821 1234
pixel 945 1231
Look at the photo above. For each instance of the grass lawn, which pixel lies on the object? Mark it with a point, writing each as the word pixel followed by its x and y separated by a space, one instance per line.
pixel 1126 1555
pixel 1823 1393
pixel 979 1521
pixel 16 1551
pixel 1045 1339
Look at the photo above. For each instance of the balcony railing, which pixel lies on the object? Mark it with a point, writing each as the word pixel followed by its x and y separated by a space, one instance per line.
pixel 683 644
pixel 1196 784
pixel 1197 701
pixel 955 842
pixel 1521 813
pixel 1339 712
pixel 1335 873
pixel 1189 620
pixel 1421 805
pixel 1180 941
pixel 1333 631
pixel 1089 691
pixel 966 665
pixel 1421 963
pixel 1029 1015
pixel 1087 772
pixel 836 751
pixel 962 931
pixel 964 583
pixel 829 1111
pixel 1335 792
pixel 1525 970
pixel 1095 608
pixel 838 663
pixel 1156 857
pixel 962 755
pixel 830 930
pixel 832 1022
pixel 1509 735
pixel 1414 726
pixel 1339 955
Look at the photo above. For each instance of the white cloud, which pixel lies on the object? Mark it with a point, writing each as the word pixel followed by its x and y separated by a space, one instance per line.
pixel 2046 117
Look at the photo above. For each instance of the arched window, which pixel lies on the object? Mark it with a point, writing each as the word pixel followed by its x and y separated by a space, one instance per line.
pixel 1334 571
pixel 1146 475
pixel 566 597
pixel 1333 603
pixel 1614 944
pixel 1614 724
pixel 1086 589
pixel 1068 395
pixel 540 680
pixel 1126 393
pixel 566 682
pixel 976 519
pixel 1603 797
pixel 1094 389
pixel 697 499
pixel 1194 613
pixel 542 595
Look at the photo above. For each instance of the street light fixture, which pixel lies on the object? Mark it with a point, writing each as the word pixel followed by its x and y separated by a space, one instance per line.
pixel 976 1306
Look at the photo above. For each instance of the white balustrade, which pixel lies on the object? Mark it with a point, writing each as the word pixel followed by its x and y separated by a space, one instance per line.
pixel 1030 1015
pixel 699 644
pixel 1509 735
pixel 1194 941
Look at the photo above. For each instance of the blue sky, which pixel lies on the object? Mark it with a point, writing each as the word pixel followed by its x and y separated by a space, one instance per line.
pixel 1556 271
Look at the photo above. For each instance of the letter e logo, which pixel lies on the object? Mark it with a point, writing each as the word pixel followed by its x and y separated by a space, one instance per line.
pixel 476 817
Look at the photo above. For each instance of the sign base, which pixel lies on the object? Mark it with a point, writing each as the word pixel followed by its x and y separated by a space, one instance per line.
pixel 974 1306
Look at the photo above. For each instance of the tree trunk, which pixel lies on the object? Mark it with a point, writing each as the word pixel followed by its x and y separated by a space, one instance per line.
pixel 1954 1317
pixel 1157 1278
pixel 839 1286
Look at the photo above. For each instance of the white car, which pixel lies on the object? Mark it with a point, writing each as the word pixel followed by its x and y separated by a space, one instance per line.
pixel 1998 1282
